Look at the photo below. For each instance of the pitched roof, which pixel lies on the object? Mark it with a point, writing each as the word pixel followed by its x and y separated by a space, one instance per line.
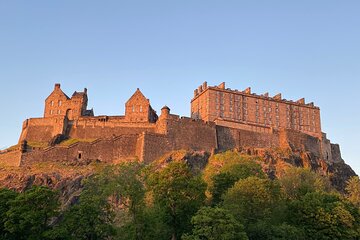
pixel 137 94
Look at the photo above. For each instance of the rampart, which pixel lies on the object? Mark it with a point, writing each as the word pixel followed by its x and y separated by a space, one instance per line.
pixel 142 134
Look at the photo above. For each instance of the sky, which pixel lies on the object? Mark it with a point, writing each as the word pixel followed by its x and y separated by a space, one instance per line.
pixel 168 48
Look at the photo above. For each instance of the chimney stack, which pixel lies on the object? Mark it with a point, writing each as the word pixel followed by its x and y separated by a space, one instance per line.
pixel 222 85
pixel 57 86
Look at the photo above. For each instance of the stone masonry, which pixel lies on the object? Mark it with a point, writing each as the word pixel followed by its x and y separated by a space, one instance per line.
pixel 221 119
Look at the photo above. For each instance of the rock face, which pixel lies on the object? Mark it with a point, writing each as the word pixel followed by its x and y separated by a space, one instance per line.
pixel 68 178
pixel 69 186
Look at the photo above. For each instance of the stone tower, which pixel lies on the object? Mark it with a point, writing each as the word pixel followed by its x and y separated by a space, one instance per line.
pixel 138 109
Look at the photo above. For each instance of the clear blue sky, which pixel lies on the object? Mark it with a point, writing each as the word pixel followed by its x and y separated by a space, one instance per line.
pixel 167 48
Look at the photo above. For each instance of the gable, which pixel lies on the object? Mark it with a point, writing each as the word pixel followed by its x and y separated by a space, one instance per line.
pixel 138 97
pixel 57 93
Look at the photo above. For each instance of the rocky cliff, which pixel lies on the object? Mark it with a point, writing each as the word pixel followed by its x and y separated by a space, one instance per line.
pixel 67 177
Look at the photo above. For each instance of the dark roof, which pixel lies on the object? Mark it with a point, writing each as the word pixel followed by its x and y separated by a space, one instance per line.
pixel 78 94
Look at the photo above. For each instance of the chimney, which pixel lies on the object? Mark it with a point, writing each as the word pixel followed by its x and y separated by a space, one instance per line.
pixel 277 96
pixel 301 101
pixel 204 86
pixel 222 85
pixel 196 92
pixel 85 90
pixel 200 89
pixel 248 90
pixel 57 86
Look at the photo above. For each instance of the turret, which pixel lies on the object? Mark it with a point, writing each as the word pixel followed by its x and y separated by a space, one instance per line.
pixel 165 112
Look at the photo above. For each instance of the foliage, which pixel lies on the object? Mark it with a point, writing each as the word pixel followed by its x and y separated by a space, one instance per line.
pixel 353 190
pixel 297 182
pixel 92 217
pixel 166 201
pixel 180 193
pixel 265 230
pixel 221 183
pixel 71 141
pixel 31 212
pixel 215 223
pixel 324 216
pixel 6 196
pixel 224 162
pixel 252 199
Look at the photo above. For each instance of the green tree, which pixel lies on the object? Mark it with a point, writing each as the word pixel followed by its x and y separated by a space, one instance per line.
pixel 267 230
pixel 353 190
pixel 127 187
pixel 297 182
pixel 252 199
pixel 324 216
pixel 6 196
pixel 231 173
pixel 31 212
pixel 221 183
pixel 215 223
pixel 180 193
pixel 92 217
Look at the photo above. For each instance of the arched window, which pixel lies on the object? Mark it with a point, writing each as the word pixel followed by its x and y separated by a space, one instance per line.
pixel 60 103
pixel 52 103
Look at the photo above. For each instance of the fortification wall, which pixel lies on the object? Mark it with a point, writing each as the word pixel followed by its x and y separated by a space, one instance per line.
pixel 111 150
pixel 189 134
pixel 154 146
pixel 229 138
pixel 41 129
pixel 244 126
pixel 304 142
pixel 12 158
pixel 93 128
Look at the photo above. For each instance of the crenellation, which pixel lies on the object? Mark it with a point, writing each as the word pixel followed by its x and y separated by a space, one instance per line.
pixel 245 106
pixel 221 119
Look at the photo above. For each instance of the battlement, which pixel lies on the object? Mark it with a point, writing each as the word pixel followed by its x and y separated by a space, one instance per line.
pixel 218 102
pixel 247 92
pixel 221 118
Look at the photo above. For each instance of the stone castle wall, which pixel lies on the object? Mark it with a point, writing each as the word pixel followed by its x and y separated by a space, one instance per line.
pixel 143 135
pixel 110 150
pixel 102 127
pixel 12 158
pixel 42 129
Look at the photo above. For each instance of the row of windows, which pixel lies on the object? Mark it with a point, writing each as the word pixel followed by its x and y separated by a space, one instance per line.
pixel 134 108
pixel 54 112
pixel 59 103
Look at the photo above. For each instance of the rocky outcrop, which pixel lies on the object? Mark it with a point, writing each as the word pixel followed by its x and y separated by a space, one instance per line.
pixel 69 186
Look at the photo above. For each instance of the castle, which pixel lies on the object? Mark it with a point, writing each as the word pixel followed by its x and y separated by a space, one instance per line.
pixel 221 119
